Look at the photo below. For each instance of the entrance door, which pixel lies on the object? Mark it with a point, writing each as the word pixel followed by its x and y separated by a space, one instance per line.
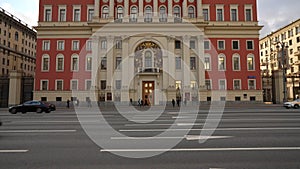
pixel 148 92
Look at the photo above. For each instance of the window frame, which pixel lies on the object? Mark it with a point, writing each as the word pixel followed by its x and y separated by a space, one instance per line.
pixel 71 84
pixel 56 84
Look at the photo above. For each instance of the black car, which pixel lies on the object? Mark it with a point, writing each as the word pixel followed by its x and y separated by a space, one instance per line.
pixel 32 106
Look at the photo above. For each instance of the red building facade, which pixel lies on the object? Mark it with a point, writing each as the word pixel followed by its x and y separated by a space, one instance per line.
pixel 222 55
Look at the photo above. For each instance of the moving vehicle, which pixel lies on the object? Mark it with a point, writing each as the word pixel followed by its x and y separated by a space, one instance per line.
pixel 294 104
pixel 32 106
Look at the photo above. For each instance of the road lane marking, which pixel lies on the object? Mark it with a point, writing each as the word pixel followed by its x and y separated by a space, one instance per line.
pixel 217 129
pixel 14 151
pixel 205 149
pixel 188 137
pixel 37 131
pixel 166 124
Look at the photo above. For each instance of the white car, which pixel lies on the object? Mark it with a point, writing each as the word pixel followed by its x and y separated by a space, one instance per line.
pixel 294 104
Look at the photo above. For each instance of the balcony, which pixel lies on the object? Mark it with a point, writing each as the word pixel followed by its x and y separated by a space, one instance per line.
pixel 297 53
pixel 149 70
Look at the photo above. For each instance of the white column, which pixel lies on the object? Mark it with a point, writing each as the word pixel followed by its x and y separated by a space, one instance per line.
pixel 155 10
pixel 171 68
pixel 110 61
pixel 170 11
pixel 141 11
pixel 184 9
pixel 186 68
pixel 95 60
pixel 199 9
pixel 96 9
pixel 111 9
pixel 126 9
pixel 126 73
pixel 201 71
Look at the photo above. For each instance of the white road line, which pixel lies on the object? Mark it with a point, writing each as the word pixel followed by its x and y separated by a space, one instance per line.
pixel 188 137
pixel 37 131
pixel 217 129
pixel 14 151
pixel 166 124
pixel 205 149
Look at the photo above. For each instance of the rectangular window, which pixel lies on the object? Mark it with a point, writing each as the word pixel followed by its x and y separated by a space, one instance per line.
pixel 177 44
pixel 192 44
pixel 235 45
pixel 59 85
pixel 88 84
pixel 103 44
pixel 220 15
pixel 251 84
pixel 207 45
pixel 119 44
pixel 193 63
pixel 75 45
pixel 206 14
pixel 46 45
pixel 178 63
pixel 48 14
pixel 118 84
pixel 76 15
pixel 89 45
pixel 90 14
pixel 193 84
pixel 118 63
pixel 248 15
pixel 207 64
pixel 44 85
pixel 233 15
pixel 104 63
pixel 60 45
pixel 178 84
pixel 250 45
pixel 237 84
pixel 103 84
pixel 74 84
pixel 222 84
pixel 62 15
pixel 221 44
pixel 208 84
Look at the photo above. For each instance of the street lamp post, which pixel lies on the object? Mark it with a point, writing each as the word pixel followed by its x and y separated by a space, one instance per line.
pixel 283 68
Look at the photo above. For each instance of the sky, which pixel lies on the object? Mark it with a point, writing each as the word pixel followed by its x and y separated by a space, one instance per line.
pixel 272 14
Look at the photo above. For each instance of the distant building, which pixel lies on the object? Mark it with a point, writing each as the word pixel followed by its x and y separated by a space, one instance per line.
pixel 127 49
pixel 271 61
pixel 17 57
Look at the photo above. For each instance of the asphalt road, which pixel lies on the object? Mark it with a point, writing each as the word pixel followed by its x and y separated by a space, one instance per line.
pixel 246 137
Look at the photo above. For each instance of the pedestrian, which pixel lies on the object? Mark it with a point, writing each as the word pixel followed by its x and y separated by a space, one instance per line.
pixel 178 102
pixel 139 102
pixel 68 103
pixel 142 103
pixel 88 100
pixel 173 102
pixel 77 102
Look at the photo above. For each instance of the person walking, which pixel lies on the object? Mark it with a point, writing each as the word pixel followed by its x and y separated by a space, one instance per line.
pixel 68 103
pixel 173 102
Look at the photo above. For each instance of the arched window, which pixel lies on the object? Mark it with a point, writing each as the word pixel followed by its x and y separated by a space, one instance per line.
pixel 119 12
pixel 16 36
pixel 45 62
pixel 236 62
pixel 59 62
pixel 162 14
pixel 105 12
pixel 191 12
pixel 222 62
pixel 176 12
pixel 75 63
pixel 148 59
pixel 148 14
pixel 250 62
pixel 133 14
pixel 89 63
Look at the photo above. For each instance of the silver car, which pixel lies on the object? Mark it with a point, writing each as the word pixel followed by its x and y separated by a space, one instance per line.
pixel 294 104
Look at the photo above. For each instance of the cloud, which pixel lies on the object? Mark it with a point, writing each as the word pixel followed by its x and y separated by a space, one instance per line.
pixel 27 12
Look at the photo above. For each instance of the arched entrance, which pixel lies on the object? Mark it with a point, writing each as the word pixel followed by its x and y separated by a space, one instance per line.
pixel 148 64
